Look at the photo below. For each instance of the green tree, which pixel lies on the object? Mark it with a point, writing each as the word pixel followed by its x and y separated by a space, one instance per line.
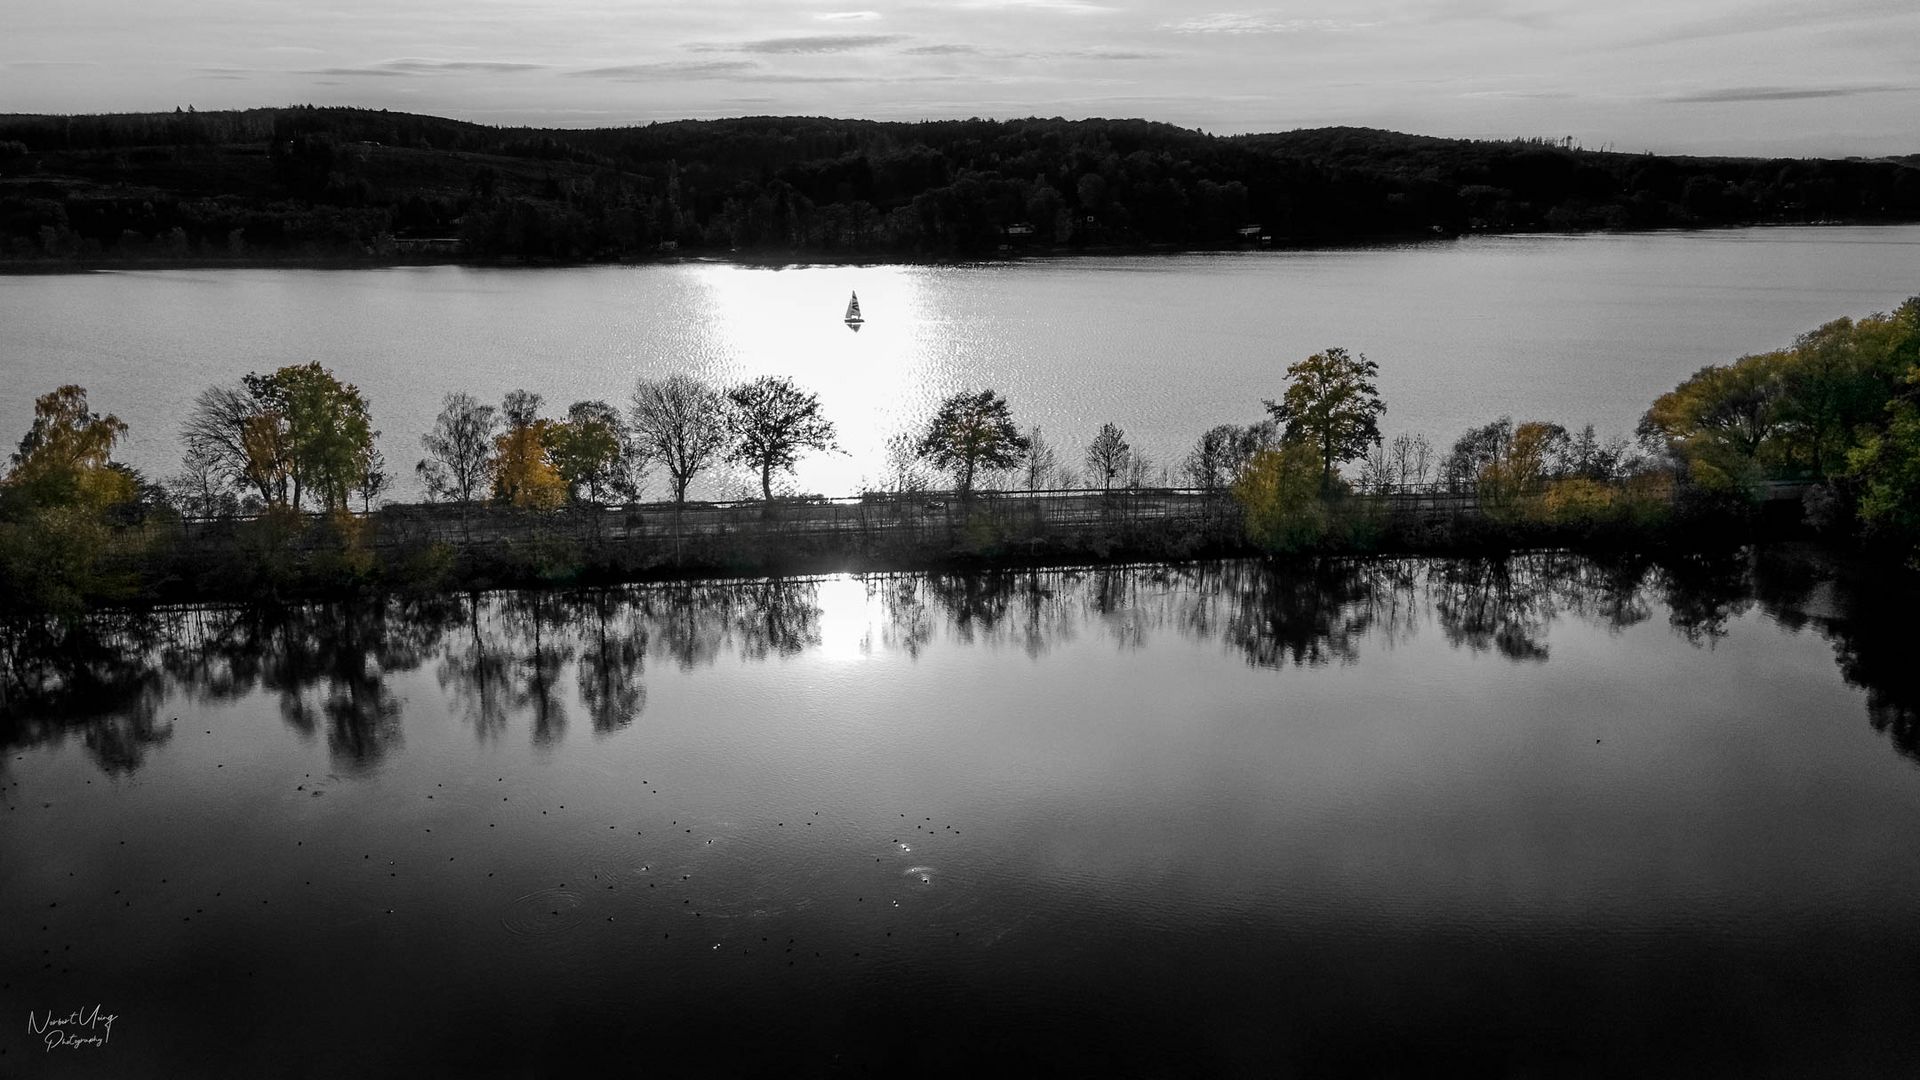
pixel 1332 405
pixel 459 448
pixel 770 421
pixel 55 502
pixel 1280 495
pixel 680 422
pixel 1887 464
pixel 318 426
pixel 972 429
pixel 590 451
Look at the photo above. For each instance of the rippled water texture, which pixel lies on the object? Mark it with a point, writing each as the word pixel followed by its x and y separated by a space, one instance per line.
pixel 1540 816
pixel 1574 329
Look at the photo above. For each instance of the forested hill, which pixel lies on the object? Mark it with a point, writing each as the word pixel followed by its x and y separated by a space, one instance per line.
pixel 309 182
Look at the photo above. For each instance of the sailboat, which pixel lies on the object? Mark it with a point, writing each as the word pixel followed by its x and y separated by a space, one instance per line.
pixel 853 313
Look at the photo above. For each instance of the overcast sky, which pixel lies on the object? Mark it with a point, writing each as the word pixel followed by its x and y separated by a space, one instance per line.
pixel 1837 77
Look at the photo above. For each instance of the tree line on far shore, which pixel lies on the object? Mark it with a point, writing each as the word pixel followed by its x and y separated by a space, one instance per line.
pixel 1839 409
pixel 356 183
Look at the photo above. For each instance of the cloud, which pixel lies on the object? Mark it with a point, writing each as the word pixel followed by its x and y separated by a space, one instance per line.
pixel 942 50
pixel 806 45
pixel 668 69
pixel 1519 95
pixel 50 63
pixel 1780 93
pixel 1065 7
pixel 416 66
pixel 1806 17
pixel 1229 22
pixel 847 16
pixel 1099 54
pixel 374 72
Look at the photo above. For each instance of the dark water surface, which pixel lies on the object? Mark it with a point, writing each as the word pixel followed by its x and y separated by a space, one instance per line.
pixel 1542 816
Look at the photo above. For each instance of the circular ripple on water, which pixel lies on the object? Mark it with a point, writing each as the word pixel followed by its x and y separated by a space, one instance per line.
pixel 544 913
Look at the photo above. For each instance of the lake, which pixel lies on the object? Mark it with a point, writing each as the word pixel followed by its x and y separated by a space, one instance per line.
pixel 1574 329
pixel 1538 816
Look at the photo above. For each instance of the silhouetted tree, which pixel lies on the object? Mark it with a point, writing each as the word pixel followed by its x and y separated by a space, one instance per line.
pixel 970 430
pixel 682 423
pixel 770 422
pixel 460 449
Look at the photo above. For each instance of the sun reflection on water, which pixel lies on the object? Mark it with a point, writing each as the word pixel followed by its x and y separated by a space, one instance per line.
pixel 848 614
pixel 871 382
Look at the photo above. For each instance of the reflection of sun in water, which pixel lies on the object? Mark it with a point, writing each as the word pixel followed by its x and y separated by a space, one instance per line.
pixel 870 383
pixel 846 619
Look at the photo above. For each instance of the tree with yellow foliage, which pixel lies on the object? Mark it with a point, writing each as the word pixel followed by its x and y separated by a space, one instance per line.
pixel 523 472
pixel 54 502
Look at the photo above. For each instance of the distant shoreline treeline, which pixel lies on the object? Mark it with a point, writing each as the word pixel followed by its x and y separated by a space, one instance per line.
pixel 306 183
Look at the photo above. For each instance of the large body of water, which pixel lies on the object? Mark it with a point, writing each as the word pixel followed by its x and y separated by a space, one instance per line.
pixel 1391 817
pixel 1574 329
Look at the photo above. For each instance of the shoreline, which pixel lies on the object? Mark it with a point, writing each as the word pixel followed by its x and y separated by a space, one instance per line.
pixel 424 550
pixel 53 267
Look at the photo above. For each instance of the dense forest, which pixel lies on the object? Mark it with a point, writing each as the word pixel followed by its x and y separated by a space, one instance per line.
pixel 337 183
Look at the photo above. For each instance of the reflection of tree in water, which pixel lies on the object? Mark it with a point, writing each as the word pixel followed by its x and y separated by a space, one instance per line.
pixel 689 621
pixel 330 665
pixel 93 678
pixel 503 655
pixel 1611 592
pixel 476 667
pixel 1504 604
pixel 903 600
pixel 612 659
pixel 1029 608
pixel 974 603
pixel 534 625
pixel 1705 591
pixel 1304 614
pixel 1868 617
pixel 776 617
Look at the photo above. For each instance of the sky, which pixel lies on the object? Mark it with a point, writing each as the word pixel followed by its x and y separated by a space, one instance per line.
pixel 1832 78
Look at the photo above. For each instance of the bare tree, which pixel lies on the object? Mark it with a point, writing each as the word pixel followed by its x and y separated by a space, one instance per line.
pixel 904 475
pixel 201 488
pixel 460 448
pixel 374 478
pixel 1139 470
pixel 1219 455
pixel 1107 454
pixel 681 422
pixel 1409 461
pixel 1042 464
pixel 216 436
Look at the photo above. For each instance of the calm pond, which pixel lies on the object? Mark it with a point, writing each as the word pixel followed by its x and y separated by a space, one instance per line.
pixel 1573 329
pixel 1539 816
